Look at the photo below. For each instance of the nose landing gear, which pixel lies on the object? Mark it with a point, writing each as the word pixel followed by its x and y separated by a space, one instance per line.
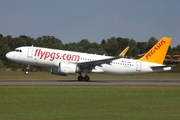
pixel 27 70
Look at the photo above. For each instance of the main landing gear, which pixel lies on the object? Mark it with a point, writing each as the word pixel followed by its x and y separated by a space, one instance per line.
pixel 85 78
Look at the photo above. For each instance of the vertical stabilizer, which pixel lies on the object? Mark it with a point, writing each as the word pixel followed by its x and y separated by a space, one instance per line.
pixel 158 52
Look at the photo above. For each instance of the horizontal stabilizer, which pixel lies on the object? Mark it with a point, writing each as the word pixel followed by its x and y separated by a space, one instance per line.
pixel 160 68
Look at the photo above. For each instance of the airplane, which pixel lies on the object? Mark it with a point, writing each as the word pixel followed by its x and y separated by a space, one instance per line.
pixel 64 62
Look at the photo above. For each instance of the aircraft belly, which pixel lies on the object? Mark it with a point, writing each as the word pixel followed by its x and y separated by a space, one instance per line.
pixel 115 69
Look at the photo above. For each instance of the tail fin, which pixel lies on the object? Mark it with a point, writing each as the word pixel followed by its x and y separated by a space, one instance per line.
pixel 124 51
pixel 158 52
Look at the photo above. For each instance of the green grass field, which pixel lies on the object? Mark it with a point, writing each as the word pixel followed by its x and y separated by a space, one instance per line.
pixel 89 103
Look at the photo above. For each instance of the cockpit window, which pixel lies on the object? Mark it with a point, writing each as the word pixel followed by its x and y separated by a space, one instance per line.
pixel 18 50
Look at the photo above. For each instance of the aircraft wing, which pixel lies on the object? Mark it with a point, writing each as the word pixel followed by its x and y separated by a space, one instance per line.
pixel 92 64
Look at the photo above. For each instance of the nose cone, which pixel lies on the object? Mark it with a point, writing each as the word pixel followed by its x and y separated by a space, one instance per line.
pixel 13 56
pixel 9 56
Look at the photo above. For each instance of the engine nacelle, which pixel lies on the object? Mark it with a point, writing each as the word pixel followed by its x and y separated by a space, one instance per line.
pixel 55 70
pixel 65 68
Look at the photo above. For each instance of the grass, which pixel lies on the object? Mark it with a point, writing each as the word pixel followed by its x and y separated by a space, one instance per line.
pixel 89 102
pixel 47 75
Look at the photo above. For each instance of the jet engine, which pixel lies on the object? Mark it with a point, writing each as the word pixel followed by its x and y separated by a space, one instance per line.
pixel 65 68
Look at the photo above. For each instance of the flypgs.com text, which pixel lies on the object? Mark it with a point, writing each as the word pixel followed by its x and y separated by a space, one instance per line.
pixel 54 56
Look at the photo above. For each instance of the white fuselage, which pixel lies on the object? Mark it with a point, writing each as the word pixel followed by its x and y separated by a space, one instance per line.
pixel 51 57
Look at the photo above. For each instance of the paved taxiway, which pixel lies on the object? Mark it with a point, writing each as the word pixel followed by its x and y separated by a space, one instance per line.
pixel 124 82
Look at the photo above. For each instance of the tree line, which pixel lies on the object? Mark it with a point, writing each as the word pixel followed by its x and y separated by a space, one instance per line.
pixel 111 46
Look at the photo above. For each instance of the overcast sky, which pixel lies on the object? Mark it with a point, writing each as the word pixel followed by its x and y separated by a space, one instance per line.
pixel 95 20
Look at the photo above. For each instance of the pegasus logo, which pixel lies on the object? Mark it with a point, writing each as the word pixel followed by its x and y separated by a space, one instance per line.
pixel 155 48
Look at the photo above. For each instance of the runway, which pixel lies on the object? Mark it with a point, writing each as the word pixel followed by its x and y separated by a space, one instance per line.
pixel 99 82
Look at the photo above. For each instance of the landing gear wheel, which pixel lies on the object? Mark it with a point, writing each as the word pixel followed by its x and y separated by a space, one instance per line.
pixel 80 78
pixel 86 78
pixel 26 72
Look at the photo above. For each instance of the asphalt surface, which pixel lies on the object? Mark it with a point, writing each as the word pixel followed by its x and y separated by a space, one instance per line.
pixel 114 82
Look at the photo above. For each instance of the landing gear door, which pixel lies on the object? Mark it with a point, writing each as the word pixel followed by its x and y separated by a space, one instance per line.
pixel 30 52
pixel 138 66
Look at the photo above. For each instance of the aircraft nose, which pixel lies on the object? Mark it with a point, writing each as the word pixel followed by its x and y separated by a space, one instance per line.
pixel 9 55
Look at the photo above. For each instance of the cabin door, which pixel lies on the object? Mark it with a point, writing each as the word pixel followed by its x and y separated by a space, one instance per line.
pixel 138 66
pixel 30 52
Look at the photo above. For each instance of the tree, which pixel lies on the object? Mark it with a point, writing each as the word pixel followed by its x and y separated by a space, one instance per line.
pixel 133 52
pixel 1 64
pixel 70 46
pixel 176 50
pixel 142 47
pixel 83 45
pixel 29 41
pixel 151 42
pixel 56 43
pixel 96 49
pixel 112 47
pixel 122 43
pixel 103 42
pixel 3 50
